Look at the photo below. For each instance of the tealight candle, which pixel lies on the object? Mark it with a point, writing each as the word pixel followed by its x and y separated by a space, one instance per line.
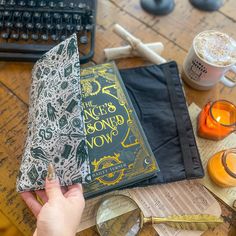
pixel 221 116
pixel 217 120
pixel 222 168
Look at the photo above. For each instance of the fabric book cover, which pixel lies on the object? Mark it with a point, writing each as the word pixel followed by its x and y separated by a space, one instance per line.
pixel 162 111
pixel 118 149
pixel 55 121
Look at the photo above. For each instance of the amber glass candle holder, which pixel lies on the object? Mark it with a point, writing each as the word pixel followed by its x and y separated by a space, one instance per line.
pixel 222 168
pixel 217 120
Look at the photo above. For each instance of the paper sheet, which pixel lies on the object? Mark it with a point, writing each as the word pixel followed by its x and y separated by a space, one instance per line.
pixel 208 148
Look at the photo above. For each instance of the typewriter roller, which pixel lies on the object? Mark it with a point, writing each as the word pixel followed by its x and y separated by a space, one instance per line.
pixel 29 28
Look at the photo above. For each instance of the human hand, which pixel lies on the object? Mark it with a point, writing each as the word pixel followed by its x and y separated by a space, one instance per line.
pixel 61 213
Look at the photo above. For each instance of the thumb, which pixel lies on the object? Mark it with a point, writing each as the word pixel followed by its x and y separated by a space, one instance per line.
pixel 52 185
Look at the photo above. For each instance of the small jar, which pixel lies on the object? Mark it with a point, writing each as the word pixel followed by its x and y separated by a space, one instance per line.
pixel 222 168
pixel 217 120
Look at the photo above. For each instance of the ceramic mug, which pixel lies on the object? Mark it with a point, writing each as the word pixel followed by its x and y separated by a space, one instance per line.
pixel 202 74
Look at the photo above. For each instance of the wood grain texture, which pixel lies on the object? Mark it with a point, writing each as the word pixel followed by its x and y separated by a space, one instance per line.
pixel 13 121
pixel 229 10
pixel 176 31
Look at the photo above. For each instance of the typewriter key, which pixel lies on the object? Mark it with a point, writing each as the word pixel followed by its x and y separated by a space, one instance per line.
pixel 63 37
pixel 44 37
pixel 22 3
pixel 32 3
pixel 66 16
pixel 42 3
pixel 46 15
pixel 61 4
pixel 5 35
pixel 26 15
pixel 82 5
pixel 6 13
pixel 9 24
pixel 36 15
pixel 88 27
pixel 29 26
pixel 83 39
pixel 25 36
pixel 34 36
pixel 19 25
pixel 59 27
pixel 49 26
pixel 38 26
pixel 76 17
pixel 2 2
pixel 52 4
pixel 16 14
pixel 54 37
pixel 14 36
pixel 57 16
pixel 72 5
pixel 78 27
pixel 69 27
pixel 12 3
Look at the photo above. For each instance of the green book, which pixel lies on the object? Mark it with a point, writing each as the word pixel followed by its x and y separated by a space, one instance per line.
pixel 118 149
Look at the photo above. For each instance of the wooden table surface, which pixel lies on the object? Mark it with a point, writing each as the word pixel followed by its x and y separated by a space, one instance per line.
pixel 176 31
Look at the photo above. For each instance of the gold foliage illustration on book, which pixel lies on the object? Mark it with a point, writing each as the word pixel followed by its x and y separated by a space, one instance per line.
pixel 118 149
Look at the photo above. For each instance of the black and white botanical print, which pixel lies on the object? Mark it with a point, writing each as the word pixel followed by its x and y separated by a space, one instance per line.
pixel 55 121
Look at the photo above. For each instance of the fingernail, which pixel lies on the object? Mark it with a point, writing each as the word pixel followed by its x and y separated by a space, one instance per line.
pixel 51 175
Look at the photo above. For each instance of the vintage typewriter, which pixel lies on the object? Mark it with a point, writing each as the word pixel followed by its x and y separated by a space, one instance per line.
pixel 29 28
